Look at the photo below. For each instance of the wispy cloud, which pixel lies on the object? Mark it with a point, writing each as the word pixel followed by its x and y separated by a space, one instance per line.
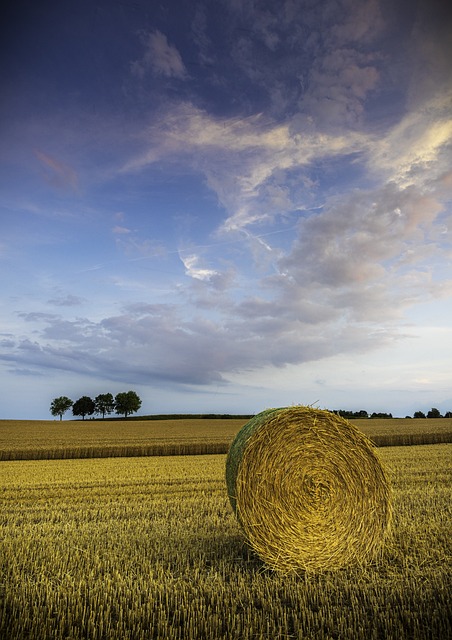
pixel 160 57
pixel 249 163
pixel 239 157
pixel 68 300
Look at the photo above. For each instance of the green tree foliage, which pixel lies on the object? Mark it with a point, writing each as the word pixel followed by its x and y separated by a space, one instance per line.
pixel 60 405
pixel 104 404
pixel 419 414
pixel 84 406
pixel 126 403
pixel 434 413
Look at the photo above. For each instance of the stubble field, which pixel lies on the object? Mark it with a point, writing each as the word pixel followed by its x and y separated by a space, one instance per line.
pixel 130 548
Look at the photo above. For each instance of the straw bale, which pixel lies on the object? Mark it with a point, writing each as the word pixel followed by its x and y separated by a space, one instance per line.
pixel 308 490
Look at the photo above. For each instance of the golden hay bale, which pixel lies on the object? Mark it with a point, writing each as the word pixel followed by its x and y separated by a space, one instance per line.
pixel 308 489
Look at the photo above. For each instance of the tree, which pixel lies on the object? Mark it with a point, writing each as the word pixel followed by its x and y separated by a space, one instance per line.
pixel 419 414
pixel 434 413
pixel 448 414
pixel 127 402
pixel 84 406
pixel 60 405
pixel 104 403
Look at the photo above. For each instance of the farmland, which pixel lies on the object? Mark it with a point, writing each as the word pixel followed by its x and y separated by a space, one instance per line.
pixel 50 439
pixel 139 548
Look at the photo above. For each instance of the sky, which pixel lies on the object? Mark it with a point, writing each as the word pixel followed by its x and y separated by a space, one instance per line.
pixel 226 205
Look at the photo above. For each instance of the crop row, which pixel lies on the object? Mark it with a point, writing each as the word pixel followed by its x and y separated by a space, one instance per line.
pixel 39 440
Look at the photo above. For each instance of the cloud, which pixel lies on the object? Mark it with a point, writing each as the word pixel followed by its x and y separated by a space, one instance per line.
pixel 359 22
pixel 163 343
pixel 341 287
pixel 419 145
pixel 365 255
pixel 160 57
pixel 135 247
pixel 339 84
pixel 193 270
pixel 121 231
pixel 260 170
pixel 68 300
pixel 240 157
pixel 284 49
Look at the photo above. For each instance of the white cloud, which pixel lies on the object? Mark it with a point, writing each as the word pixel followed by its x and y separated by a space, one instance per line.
pixel 192 268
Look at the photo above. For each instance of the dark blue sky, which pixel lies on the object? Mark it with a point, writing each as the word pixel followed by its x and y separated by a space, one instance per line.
pixel 227 205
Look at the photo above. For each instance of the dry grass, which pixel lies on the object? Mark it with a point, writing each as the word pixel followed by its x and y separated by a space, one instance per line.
pixel 308 489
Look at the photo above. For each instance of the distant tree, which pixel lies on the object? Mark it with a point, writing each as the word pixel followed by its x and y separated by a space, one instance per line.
pixel 448 414
pixel 434 413
pixel 60 405
pixel 127 402
pixel 104 403
pixel 84 406
pixel 381 415
pixel 351 414
pixel 419 414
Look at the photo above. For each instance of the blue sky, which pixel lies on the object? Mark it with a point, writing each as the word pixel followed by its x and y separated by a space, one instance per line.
pixel 227 205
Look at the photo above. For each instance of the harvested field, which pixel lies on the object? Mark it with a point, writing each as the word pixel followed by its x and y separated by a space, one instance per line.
pixel 142 548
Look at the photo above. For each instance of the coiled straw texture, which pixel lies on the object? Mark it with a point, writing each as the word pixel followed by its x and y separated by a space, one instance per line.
pixel 308 490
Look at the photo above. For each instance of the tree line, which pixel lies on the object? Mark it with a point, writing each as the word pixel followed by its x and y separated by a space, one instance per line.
pixel 433 413
pixel 124 403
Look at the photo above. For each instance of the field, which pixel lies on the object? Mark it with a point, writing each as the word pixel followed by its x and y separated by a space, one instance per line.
pixel 130 548
pixel 50 439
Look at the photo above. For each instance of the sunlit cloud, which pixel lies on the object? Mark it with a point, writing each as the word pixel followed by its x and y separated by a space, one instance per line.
pixel 192 268
pixel 411 151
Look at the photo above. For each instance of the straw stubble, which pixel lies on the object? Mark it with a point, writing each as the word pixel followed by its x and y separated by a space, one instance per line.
pixel 308 489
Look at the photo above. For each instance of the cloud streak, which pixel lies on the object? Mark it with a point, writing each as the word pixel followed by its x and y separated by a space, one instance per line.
pixel 58 174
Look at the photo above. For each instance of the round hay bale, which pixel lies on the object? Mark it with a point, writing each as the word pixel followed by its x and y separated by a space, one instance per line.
pixel 308 490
